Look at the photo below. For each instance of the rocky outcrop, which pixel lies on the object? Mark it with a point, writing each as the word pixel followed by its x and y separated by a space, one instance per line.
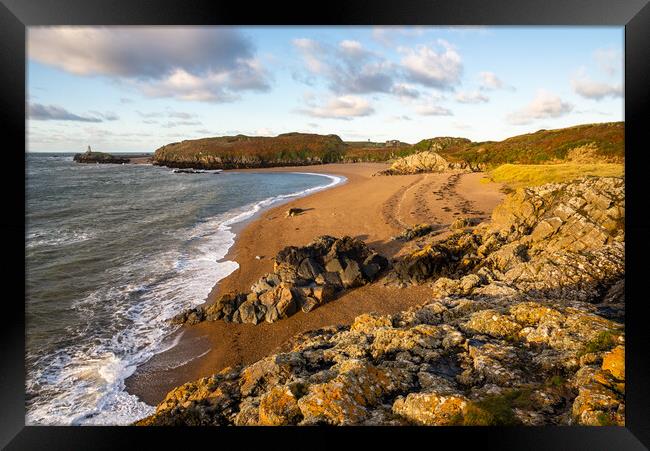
pixel 303 279
pixel 427 162
pixel 523 327
pixel 449 362
pixel 562 240
pixel 241 151
pixel 99 158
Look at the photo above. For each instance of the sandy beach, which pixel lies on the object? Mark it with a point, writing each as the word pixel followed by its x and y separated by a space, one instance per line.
pixel 373 209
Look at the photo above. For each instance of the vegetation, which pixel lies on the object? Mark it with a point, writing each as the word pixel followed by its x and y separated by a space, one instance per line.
pixel 496 410
pixel 604 341
pixel 545 146
pixel 516 175
pixel 601 142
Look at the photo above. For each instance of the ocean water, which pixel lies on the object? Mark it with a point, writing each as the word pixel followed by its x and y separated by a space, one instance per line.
pixel 113 252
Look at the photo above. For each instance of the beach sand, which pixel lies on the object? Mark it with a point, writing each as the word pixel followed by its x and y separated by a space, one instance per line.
pixel 373 209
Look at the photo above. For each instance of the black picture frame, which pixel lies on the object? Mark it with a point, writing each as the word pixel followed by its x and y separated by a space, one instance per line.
pixel 16 15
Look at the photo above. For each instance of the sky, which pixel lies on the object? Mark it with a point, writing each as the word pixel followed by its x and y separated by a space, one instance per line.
pixel 135 89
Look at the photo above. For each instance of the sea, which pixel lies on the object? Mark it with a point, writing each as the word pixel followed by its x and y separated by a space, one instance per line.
pixel 112 253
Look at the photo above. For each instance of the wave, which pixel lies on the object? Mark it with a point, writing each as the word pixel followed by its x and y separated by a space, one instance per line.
pixel 84 384
pixel 56 238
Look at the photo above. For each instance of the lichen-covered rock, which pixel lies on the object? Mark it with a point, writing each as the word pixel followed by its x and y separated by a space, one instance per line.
pixel 279 407
pixel 523 327
pixel 614 362
pixel 426 161
pixel 430 409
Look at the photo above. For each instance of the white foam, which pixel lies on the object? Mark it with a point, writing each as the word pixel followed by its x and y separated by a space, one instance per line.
pixel 85 384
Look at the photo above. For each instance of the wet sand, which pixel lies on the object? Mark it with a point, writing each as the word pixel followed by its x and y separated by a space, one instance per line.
pixel 373 209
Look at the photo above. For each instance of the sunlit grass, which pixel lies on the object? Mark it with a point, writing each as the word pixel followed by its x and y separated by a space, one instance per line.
pixel 518 175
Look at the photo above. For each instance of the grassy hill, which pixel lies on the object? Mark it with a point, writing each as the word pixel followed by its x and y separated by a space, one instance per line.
pixel 604 141
pixel 590 143
pixel 240 151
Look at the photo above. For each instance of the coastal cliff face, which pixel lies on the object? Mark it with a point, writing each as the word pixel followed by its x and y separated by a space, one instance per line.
pixel 236 152
pixel 523 326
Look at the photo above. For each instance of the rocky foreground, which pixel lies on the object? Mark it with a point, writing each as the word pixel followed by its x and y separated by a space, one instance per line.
pixel 524 326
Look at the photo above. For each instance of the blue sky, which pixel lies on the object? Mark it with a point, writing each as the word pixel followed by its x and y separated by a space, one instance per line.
pixel 138 88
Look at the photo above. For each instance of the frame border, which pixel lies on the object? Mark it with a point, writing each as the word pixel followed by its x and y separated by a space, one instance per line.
pixel 16 15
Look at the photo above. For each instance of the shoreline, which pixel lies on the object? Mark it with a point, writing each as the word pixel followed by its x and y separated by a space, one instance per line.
pixel 373 209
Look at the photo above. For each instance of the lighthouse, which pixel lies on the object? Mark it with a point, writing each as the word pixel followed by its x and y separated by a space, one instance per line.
pixel 88 152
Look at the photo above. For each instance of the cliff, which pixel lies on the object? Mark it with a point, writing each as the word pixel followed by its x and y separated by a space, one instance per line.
pixel 235 152
pixel 523 326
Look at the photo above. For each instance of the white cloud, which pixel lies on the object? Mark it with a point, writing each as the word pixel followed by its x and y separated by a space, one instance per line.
pixel 347 67
pixel 489 80
pixel 191 63
pixel 39 112
pixel 545 105
pixel 342 107
pixel 433 110
pixel 594 90
pixel 436 68
pixel 405 91
pixel 471 97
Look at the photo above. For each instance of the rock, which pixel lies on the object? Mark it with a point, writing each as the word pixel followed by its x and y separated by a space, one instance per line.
pixel 426 161
pixel 492 323
pixel 331 278
pixel 416 231
pixel 248 313
pixel 309 269
pixel 99 158
pixel 309 304
pixel 459 223
pixel 294 212
pixel 614 362
pixel 351 275
pixel 279 407
pixel 431 409
pixel 286 305
pixel 324 293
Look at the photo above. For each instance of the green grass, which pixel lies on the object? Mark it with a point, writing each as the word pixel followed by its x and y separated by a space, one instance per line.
pixel 495 410
pixel 604 341
pixel 518 175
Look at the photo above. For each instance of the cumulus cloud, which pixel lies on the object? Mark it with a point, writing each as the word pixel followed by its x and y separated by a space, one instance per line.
pixel 342 107
pixel 545 105
pixel 489 80
pixel 211 64
pixel 594 90
pixel 39 112
pixel 439 67
pixel 405 91
pixel 433 110
pixel 471 97
pixel 348 67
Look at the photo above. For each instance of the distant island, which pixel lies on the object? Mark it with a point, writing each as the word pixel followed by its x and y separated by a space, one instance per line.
pixel 99 158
